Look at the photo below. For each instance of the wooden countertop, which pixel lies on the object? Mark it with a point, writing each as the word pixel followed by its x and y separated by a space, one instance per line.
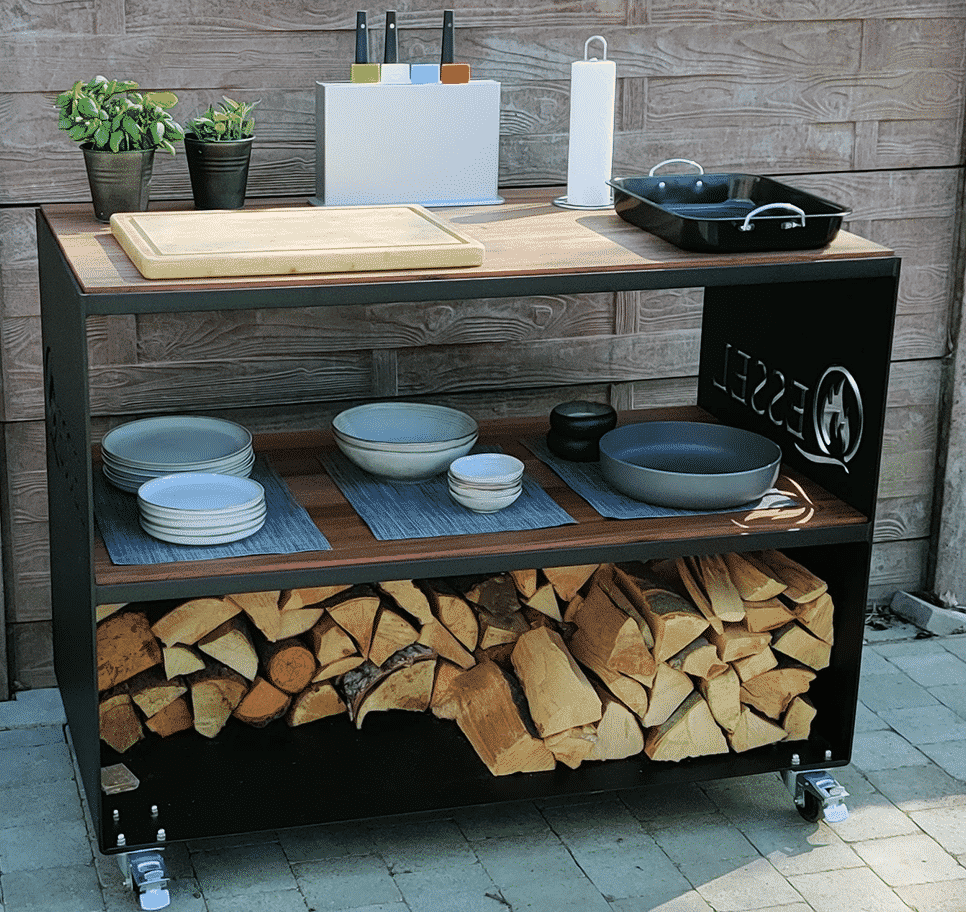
pixel 525 236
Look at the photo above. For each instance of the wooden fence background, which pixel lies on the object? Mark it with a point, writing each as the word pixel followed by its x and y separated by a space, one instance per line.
pixel 858 100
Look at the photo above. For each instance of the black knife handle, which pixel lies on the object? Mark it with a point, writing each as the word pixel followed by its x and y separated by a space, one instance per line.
pixel 362 38
pixel 446 54
pixel 392 43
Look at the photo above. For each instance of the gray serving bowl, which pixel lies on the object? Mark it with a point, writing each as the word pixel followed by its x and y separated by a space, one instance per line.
pixel 689 465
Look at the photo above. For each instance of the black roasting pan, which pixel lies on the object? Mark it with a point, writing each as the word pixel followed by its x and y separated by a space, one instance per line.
pixel 726 212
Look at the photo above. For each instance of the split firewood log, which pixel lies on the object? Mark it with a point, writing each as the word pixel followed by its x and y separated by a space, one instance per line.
pixel 216 692
pixel 191 620
pixel 438 638
pixel 526 582
pixel 442 703
pixel 798 718
pixel 690 579
pixel 754 731
pixel 318 701
pixel 736 641
pixel 752 579
pixel 288 664
pixel 103 612
pixel 496 630
pixel 767 615
pixel 698 659
pixel 231 644
pixel 294 623
pixel 558 693
pixel 338 667
pixel 356 615
pixel 606 576
pixel 120 726
pixel 669 690
pixel 175 717
pixel 801 585
pixel 316 595
pixel 797 643
pixel 455 613
pixel 262 704
pixel 330 642
pixel 490 718
pixel 496 595
pixel 818 617
pixel 619 733
pixel 720 589
pixel 571 609
pixel 673 619
pixel 610 636
pixel 404 682
pixel 573 746
pixel 771 692
pixel 181 660
pixel 125 647
pixel 151 691
pixel 755 664
pixel 567 581
pixel 723 696
pixel 691 731
pixel 262 610
pixel 628 690
pixel 391 633
pixel 544 600
pixel 408 596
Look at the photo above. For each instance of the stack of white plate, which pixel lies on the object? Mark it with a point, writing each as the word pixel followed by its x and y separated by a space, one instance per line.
pixel 485 482
pixel 201 508
pixel 141 450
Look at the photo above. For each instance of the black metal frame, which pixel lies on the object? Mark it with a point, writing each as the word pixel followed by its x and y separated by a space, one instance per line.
pixel 804 315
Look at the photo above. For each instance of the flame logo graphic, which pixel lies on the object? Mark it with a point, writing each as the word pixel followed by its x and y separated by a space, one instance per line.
pixel 837 418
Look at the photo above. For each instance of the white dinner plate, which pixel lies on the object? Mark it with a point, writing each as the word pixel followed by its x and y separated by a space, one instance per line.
pixel 178 441
pixel 180 538
pixel 207 521
pixel 201 491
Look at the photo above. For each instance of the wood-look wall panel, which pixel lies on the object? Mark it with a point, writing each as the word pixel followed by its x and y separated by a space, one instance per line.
pixel 32 656
pixel 899 518
pixel 897 565
pixel 60 16
pixel 912 44
pixel 757 10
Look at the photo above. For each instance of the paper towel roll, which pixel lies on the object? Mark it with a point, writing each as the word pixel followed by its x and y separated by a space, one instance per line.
pixel 592 89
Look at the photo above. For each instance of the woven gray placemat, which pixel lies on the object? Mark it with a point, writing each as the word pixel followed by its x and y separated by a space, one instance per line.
pixel 398 510
pixel 288 528
pixel 585 479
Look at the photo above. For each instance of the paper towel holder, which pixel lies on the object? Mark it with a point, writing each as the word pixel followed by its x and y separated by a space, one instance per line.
pixel 562 201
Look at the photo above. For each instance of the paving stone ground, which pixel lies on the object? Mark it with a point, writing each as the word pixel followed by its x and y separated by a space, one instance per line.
pixel 733 845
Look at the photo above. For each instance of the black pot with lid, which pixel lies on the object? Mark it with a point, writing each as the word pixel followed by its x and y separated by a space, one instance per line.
pixel 576 428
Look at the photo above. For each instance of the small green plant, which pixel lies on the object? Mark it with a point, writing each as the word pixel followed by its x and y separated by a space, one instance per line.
pixel 232 120
pixel 113 116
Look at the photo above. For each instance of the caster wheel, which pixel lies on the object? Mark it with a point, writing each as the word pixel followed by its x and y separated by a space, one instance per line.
pixel 812 809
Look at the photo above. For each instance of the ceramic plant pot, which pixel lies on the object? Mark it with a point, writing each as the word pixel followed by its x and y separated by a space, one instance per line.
pixel 218 171
pixel 120 181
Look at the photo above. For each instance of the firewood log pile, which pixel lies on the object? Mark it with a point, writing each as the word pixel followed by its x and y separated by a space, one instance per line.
pixel 676 658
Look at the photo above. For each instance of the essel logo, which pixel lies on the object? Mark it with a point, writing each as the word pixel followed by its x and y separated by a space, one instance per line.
pixel 834 432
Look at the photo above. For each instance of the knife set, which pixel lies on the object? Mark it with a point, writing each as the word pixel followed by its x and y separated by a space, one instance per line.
pixel 407 133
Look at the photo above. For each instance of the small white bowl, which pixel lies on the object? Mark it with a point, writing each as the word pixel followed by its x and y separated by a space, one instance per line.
pixel 488 503
pixel 487 469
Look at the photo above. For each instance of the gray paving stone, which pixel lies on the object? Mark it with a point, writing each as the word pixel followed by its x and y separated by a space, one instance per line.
pixel 632 867
pixel 19 738
pixel 512 818
pixel 803 849
pixel 234 840
pixel 344 883
pixel 947 825
pixel 33 846
pixel 525 859
pixel 709 838
pixel 956 645
pixel 464 887
pixel 851 890
pixel 910 647
pixel 880 750
pixel 953 696
pixel 893 691
pixel 28 708
pixel 422 845
pixel 950 755
pixel 915 788
pixel 692 901
pixel 904 860
pixel 926 724
pixel 933 669
pixel 873 663
pixel 278 901
pixel 593 825
pixel 753 884
pixel 20 766
pixel 753 801
pixel 866 720
pixel 56 801
pixel 870 817
pixel 71 888
pixel 654 803
pixel 261 868
pixel 941 897
pixel 317 842
pixel 575 894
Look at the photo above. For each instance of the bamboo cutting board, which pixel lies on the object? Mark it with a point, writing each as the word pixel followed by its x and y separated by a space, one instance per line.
pixel 246 242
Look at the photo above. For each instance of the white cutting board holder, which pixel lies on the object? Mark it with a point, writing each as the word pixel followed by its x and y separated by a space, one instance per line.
pixel 431 144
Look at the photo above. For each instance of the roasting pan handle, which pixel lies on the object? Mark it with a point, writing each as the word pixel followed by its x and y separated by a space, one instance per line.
pixel 675 161
pixel 747 225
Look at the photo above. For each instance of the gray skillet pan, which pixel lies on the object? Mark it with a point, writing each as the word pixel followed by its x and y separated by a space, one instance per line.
pixel 689 465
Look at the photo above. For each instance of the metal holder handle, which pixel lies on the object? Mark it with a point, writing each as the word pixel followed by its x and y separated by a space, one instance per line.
pixel 599 38
pixel 746 225
pixel 675 161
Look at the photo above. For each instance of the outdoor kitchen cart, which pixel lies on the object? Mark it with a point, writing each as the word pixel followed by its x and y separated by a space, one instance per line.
pixel 794 345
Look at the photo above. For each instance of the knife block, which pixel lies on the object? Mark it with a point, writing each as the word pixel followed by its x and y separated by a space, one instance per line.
pixel 432 144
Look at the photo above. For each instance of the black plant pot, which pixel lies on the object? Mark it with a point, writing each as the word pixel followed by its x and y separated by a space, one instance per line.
pixel 120 181
pixel 218 171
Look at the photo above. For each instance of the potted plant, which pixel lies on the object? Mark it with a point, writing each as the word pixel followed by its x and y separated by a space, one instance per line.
pixel 119 129
pixel 218 146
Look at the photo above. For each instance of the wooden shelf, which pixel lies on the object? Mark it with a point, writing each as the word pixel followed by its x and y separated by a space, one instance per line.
pixel 357 555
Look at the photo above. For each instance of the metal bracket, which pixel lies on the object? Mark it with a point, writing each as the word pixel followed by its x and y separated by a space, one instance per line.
pixel 817 795
pixel 145 872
